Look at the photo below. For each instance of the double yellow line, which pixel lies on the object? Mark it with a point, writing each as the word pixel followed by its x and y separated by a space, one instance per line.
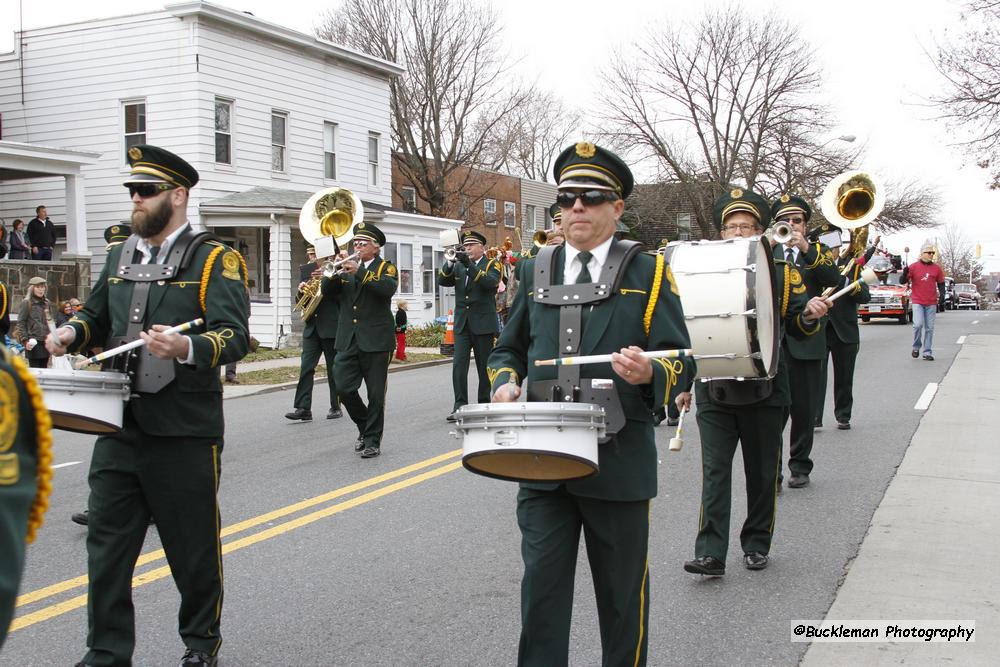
pixel 158 573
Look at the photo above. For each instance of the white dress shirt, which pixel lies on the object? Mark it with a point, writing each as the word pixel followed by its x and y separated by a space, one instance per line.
pixel 572 266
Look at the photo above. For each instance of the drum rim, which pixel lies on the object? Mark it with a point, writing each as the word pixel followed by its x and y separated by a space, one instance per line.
pixel 112 427
pixel 593 465
pixel 755 346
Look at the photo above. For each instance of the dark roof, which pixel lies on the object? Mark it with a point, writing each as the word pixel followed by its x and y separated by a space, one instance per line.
pixel 275 198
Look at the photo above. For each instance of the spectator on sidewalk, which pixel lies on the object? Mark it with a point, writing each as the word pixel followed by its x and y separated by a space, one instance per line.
pixel 19 246
pixel 401 329
pixel 32 323
pixel 41 235
pixel 926 287
pixel 65 313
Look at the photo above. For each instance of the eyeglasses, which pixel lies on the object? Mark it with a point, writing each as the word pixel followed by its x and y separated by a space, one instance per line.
pixel 360 244
pixel 147 190
pixel 589 198
pixel 745 227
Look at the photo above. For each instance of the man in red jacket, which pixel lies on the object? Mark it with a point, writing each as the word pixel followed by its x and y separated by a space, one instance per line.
pixel 926 282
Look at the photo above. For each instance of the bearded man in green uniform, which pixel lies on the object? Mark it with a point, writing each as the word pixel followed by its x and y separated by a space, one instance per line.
pixel 164 463
pixel 747 413
pixel 25 473
pixel 640 311
pixel 804 355
pixel 366 335
pixel 475 278
pixel 843 341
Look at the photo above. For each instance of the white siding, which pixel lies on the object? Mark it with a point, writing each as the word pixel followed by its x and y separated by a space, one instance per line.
pixel 541 196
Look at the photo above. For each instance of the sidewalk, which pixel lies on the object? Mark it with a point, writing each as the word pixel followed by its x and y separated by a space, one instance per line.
pixel 933 546
pixel 239 390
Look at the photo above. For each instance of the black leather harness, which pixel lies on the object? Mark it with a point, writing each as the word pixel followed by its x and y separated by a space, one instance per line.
pixel 570 299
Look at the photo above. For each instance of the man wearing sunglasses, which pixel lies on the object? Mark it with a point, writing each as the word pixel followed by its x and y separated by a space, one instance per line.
pixel 804 355
pixel 475 278
pixel 366 335
pixel 592 295
pixel 164 463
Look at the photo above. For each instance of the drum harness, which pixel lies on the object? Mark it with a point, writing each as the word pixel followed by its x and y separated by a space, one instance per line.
pixel 570 299
pixel 147 373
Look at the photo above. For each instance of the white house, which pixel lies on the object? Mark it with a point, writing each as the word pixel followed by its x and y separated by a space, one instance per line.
pixel 267 115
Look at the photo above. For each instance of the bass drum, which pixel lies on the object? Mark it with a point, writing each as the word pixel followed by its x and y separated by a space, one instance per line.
pixel 727 290
pixel 530 442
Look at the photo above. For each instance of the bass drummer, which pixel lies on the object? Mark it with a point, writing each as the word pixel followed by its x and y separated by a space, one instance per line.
pixel 747 413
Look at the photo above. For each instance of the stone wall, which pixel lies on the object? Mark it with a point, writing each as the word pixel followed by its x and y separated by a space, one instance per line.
pixel 67 278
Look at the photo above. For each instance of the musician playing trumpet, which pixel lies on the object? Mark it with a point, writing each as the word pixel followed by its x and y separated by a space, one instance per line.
pixel 748 413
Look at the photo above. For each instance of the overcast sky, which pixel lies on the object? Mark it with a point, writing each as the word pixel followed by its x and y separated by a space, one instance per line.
pixel 877 75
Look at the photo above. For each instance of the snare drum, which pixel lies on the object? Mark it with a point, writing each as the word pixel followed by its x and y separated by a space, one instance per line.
pixel 84 401
pixel 728 295
pixel 530 442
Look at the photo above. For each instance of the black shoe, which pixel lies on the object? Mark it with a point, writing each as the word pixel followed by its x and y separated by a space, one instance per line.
pixel 80 518
pixel 334 413
pixel 707 565
pixel 755 560
pixel 928 357
pixel 299 413
pixel 797 481
pixel 370 452
pixel 451 418
pixel 194 658
pixel 914 353
pixel 844 426
pixel 673 421
pixel 359 444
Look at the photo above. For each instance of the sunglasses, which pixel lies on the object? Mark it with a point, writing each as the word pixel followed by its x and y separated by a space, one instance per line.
pixel 589 198
pixel 360 244
pixel 147 190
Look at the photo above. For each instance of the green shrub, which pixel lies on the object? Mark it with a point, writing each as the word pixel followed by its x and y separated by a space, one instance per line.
pixel 428 335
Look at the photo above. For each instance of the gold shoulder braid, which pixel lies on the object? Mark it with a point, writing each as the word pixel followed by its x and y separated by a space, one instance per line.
pixel 788 286
pixel 43 433
pixel 654 294
pixel 206 274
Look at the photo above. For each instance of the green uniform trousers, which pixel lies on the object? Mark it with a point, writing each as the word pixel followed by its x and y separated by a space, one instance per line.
pixel 352 368
pixel 482 345
pixel 617 537
pixel 757 429
pixel 845 355
pixel 804 384
pixel 134 475
pixel 312 348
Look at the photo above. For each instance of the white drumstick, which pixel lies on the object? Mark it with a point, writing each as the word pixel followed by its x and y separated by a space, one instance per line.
pixel 677 442
pixel 867 276
pixel 98 358
pixel 606 358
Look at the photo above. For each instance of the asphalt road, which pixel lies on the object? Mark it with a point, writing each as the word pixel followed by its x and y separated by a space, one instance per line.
pixel 408 559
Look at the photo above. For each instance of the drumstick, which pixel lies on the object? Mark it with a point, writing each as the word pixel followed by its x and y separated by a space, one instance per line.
pixel 677 442
pixel 605 358
pixel 96 359
pixel 867 276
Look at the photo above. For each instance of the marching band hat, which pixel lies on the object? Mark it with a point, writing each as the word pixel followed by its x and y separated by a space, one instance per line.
pixel 739 199
pixel 366 230
pixel 311 248
pixel 473 237
pixel 116 233
pixel 151 164
pixel 787 203
pixel 586 165
pixel 555 212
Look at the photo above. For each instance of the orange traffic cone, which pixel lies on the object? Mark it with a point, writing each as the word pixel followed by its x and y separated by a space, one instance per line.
pixel 448 346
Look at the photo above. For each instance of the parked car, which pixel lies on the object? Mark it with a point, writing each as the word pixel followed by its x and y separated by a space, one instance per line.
pixel 889 299
pixel 947 302
pixel 967 296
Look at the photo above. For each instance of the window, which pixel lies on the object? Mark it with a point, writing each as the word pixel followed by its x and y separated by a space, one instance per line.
pixel 373 138
pixel 223 131
pixel 330 151
pixel 405 267
pixel 490 210
pixel 135 124
pixel 529 218
pixel 409 195
pixel 684 226
pixel 427 268
pixel 279 138
pixel 262 286
pixel 388 251
pixel 509 214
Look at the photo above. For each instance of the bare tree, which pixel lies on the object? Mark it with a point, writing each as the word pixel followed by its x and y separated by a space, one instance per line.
pixel 909 205
pixel 706 100
pixel 970 64
pixel 957 255
pixel 528 140
pixel 451 99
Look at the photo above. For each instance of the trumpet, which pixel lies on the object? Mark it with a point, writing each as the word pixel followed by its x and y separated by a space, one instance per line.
pixel 332 267
pixel 780 233
pixel 541 238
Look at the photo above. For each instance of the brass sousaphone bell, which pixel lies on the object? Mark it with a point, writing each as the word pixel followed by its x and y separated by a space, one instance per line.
pixel 852 200
pixel 327 222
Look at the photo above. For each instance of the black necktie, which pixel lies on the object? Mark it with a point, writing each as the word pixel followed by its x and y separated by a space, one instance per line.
pixel 790 256
pixel 584 276
pixel 153 252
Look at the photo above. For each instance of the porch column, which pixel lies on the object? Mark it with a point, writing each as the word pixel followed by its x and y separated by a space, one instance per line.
pixel 76 217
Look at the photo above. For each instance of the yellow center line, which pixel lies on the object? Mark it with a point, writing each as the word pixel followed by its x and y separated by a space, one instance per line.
pixel 156 574
pixel 152 556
